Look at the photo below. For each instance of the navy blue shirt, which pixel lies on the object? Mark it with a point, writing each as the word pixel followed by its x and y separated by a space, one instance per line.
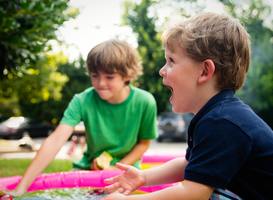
pixel 230 147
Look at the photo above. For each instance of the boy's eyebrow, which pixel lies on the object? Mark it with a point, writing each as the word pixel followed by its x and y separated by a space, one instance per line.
pixel 168 56
pixel 107 74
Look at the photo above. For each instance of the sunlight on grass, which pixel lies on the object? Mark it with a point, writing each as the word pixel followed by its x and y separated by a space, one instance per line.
pixel 15 167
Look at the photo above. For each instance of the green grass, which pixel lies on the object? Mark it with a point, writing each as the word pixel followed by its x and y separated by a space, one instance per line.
pixel 15 167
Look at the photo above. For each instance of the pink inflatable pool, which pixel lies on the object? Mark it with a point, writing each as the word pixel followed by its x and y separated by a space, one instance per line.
pixel 74 179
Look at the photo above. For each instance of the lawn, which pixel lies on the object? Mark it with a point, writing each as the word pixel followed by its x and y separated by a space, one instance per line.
pixel 15 167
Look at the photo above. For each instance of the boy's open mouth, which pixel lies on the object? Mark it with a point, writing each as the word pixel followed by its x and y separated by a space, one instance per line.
pixel 171 92
pixel 169 88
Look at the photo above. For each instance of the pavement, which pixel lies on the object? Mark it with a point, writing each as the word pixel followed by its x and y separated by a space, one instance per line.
pixel 156 148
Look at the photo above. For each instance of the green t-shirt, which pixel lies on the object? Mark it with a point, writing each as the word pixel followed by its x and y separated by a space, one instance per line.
pixel 114 128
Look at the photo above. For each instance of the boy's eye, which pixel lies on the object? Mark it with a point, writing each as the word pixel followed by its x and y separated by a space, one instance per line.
pixel 109 77
pixel 169 61
pixel 94 75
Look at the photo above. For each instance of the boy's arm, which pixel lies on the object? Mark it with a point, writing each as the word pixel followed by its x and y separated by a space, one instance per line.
pixel 136 153
pixel 132 178
pixel 44 156
pixel 169 172
pixel 185 190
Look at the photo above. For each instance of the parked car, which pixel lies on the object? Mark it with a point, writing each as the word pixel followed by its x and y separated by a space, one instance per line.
pixel 173 126
pixel 3 118
pixel 15 127
pixel 79 129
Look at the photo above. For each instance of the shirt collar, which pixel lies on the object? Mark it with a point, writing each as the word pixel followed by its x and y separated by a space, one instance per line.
pixel 227 93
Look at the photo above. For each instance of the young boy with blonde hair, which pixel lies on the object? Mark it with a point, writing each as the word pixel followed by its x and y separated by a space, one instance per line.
pixel 229 146
pixel 120 119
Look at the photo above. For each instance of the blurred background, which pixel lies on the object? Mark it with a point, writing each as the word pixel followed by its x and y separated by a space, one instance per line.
pixel 43 46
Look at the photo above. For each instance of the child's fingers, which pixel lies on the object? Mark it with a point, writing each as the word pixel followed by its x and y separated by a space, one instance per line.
pixel 120 190
pixel 111 180
pixel 112 188
pixel 127 189
pixel 116 178
pixel 95 165
pixel 126 192
pixel 122 166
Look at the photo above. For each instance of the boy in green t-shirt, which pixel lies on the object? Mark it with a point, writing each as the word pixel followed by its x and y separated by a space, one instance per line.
pixel 120 119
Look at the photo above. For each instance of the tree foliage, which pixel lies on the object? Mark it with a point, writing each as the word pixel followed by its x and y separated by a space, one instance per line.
pixel 78 81
pixel 21 92
pixel 25 29
pixel 44 93
pixel 150 49
pixel 30 81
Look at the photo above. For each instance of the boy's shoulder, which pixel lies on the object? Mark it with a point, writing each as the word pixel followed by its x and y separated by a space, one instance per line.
pixel 85 93
pixel 142 94
pixel 237 113
pixel 229 109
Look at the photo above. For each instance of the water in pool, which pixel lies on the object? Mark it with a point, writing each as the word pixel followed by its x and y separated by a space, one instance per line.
pixel 63 194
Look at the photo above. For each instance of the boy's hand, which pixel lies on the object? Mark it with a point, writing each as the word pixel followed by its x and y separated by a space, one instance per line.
pixel 8 194
pixel 102 161
pixel 115 196
pixel 111 168
pixel 127 182
pixel 94 165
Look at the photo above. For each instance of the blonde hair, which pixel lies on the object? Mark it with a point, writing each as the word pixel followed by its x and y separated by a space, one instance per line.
pixel 219 38
pixel 114 56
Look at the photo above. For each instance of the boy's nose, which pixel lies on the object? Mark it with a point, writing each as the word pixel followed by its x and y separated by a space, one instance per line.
pixel 101 82
pixel 162 71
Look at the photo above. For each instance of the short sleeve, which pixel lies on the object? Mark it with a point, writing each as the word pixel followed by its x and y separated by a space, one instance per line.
pixel 148 128
pixel 220 148
pixel 72 114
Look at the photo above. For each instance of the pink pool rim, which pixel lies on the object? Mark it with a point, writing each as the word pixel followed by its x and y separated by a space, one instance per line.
pixel 74 179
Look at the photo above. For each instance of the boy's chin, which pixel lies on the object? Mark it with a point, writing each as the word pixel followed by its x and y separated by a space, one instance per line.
pixel 177 109
pixel 105 98
pixel 174 109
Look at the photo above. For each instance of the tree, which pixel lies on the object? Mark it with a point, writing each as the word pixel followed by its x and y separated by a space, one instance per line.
pixel 78 81
pixel 25 29
pixel 29 74
pixel 150 49
pixel 24 94
pixel 44 93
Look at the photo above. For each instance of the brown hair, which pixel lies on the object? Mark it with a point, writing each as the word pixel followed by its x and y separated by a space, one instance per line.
pixel 219 38
pixel 114 56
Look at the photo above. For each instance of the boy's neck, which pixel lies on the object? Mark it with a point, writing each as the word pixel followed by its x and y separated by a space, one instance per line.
pixel 122 96
pixel 205 94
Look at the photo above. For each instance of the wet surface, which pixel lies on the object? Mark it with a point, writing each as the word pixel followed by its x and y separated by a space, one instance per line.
pixel 63 194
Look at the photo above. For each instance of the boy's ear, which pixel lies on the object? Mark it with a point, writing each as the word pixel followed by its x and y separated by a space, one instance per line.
pixel 127 80
pixel 207 71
